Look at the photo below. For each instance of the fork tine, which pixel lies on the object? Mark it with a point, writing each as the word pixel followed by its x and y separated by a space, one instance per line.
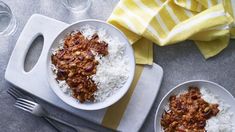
pixel 25 106
pixel 27 101
pixel 12 94
pixel 17 93
pixel 16 90
pixel 24 103
pixel 20 106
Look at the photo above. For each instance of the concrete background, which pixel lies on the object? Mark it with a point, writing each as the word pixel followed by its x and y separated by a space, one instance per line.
pixel 181 62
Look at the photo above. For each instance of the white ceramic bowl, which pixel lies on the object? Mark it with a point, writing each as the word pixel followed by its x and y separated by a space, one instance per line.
pixel 112 31
pixel 214 88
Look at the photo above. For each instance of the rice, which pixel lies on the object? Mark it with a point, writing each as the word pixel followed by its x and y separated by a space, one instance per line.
pixel 113 69
pixel 222 122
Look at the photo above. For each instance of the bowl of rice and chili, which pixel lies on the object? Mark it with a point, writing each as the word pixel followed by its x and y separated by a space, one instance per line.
pixel 90 65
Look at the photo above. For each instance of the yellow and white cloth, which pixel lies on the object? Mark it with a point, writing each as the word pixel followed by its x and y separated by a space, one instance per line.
pixel 208 22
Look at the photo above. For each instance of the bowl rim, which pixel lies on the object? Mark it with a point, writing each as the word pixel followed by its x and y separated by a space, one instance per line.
pixel 177 86
pixel 131 74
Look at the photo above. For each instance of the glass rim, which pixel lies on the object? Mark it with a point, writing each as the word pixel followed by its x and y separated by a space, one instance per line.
pixel 12 25
pixel 7 6
pixel 74 9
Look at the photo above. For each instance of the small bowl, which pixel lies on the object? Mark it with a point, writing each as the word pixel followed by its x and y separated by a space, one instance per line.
pixel 110 100
pixel 214 88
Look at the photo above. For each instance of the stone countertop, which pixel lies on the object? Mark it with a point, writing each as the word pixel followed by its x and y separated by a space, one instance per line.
pixel 181 62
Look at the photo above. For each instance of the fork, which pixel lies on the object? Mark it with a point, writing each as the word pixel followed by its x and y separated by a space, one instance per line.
pixel 36 109
pixel 15 93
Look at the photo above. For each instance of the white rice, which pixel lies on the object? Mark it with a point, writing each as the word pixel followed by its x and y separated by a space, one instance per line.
pixel 222 122
pixel 112 70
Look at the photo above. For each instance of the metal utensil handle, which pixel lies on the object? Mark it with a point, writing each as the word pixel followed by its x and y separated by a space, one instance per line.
pixel 77 128
pixel 64 123
pixel 52 124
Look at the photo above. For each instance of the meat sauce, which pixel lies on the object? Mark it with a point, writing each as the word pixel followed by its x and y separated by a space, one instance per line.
pixel 76 63
pixel 188 112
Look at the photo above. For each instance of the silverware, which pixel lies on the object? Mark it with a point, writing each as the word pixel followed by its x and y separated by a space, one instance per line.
pixel 36 109
pixel 15 93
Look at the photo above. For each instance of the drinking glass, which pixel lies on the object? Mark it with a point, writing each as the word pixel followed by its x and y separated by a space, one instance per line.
pixel 76 5
pixel 7 20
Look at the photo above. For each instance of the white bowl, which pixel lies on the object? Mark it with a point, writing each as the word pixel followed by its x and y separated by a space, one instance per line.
pixel 113 98
pixel 214 88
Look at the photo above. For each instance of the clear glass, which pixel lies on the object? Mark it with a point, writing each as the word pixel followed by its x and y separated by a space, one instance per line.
pixel 7 20
pixel 76 5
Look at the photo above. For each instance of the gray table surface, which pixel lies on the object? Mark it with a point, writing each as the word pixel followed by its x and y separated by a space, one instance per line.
pixel 181 62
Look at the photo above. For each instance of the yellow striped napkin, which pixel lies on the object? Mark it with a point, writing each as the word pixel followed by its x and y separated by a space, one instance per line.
pixel 208 22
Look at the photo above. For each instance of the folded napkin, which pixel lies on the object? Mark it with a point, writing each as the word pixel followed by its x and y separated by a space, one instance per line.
pixel 208 22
